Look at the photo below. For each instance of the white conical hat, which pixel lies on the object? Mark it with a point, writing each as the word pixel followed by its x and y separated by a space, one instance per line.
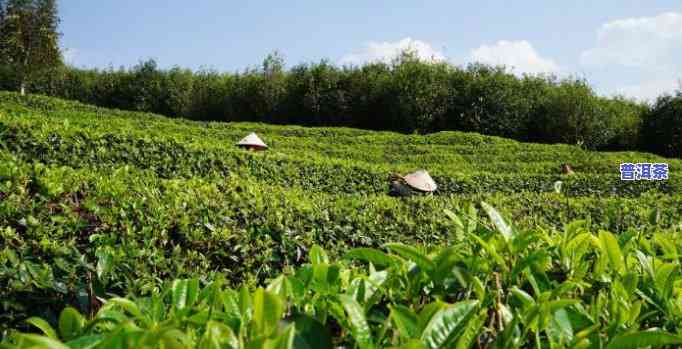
pixel 252 140
pixel 421 180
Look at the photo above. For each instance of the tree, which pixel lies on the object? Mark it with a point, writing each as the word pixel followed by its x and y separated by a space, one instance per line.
pixel 571 113
pixel 273 88
pixel 2 12
pixel 420 91
pixel 29 40
pixel 662 126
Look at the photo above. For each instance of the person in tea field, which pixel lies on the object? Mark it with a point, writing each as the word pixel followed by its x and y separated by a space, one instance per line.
pixel 252 142
pixel 417 183
pixel 566 169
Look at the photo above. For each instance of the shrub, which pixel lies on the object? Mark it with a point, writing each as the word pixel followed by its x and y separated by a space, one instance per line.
pixel 493 285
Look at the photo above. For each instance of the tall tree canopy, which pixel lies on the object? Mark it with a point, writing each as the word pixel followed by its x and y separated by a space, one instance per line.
pixel 29 40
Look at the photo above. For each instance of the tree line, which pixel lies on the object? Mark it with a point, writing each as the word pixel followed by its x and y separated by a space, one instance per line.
pixel 406 95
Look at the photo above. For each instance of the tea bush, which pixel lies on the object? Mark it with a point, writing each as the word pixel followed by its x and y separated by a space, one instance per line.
pixel 327 160
pixel 494 286
pixel 98 203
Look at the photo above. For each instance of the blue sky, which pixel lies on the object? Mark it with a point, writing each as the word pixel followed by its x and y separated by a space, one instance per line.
pixel 630 47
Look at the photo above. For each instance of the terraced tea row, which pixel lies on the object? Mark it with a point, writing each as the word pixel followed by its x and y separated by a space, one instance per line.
pixel 169 159
pixel 57 218
pixel 445 152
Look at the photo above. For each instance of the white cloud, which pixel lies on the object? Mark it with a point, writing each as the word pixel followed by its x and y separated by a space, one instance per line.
pixel 649 90
pixel 648 49
pixel 386 51
pixel 519 56
pixel 648 43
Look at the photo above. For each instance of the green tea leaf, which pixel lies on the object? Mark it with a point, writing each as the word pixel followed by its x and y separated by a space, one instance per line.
pixel 454 218
pixel 179 291
pixel 43 342
pixel 371 255
pixel 311 334
pixel 643 340
pixel 471 331
pixel 85 342
pixel 414 255
pixel 217 336
pixel 472 219
pixel 405 320
pixel 284 340
pixel 612 249
pixel 70 323
pixel 267 311
pixel 104 263
pixel 127 305
pixel 360 329
pixel 43 326
pixel 497 220
pixel 448 324
pixel 318 255
pixel 559 328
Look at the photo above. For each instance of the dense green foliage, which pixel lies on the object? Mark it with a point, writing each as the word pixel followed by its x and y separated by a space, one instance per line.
pixel 407 96
pixel 29 40
pixel 97 202
pixel 494 286
pixel 663 126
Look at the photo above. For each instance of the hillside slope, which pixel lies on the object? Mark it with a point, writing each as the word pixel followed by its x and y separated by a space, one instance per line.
pixel 53 130
pixel 132 199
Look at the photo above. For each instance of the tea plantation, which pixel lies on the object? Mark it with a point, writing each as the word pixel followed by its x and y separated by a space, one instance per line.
pixel 300 246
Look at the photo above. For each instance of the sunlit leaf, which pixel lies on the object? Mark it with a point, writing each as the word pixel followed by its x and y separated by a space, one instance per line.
pixel 448 324
pixel 43 326
pixel 43 342
pixel 371 255
pixel 360 329
pixel 267 311
pixel 414 255
pixel 497 220
pixel 612 249
pixel 70 323
pixel 644 339
pixel 85 342
pixel 405 320
pixel 318 255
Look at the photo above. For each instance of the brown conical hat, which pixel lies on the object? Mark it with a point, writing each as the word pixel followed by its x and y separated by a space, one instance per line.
pixel 252 140
pixel 421 180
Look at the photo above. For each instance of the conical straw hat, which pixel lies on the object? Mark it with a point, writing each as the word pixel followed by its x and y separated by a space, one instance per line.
pixel 421 180
pixel 252 140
